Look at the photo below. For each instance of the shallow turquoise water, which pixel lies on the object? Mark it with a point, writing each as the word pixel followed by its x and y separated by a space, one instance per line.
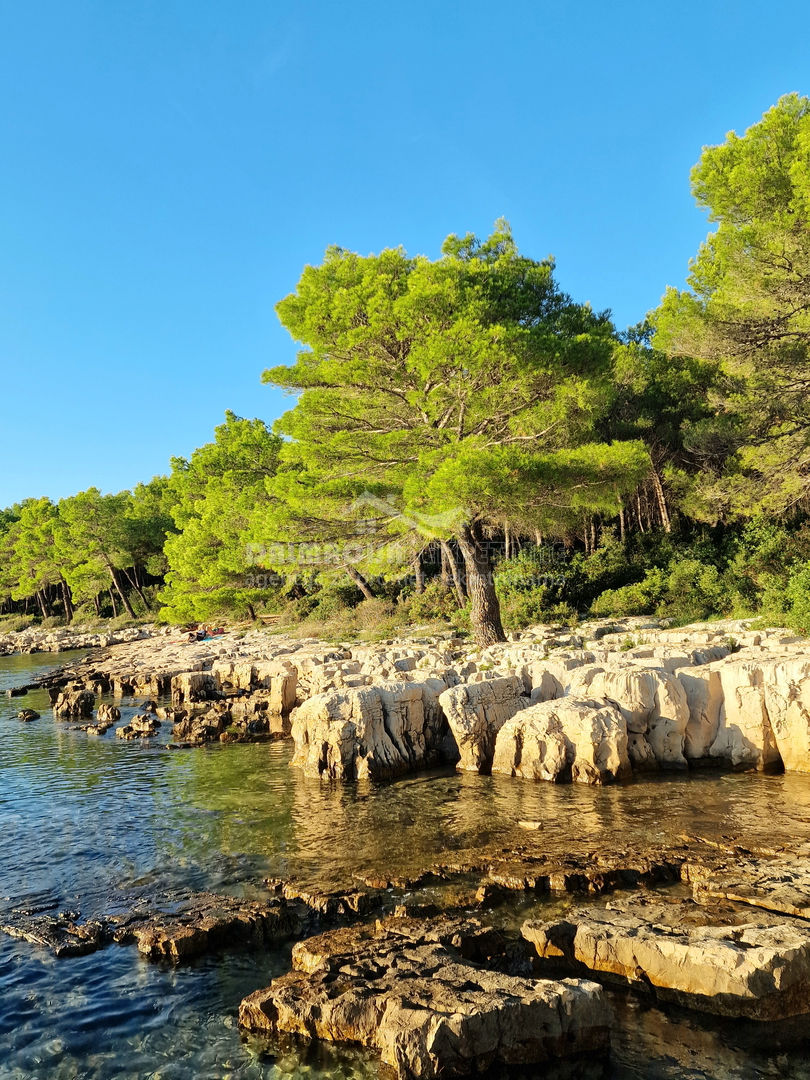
pixel 88 822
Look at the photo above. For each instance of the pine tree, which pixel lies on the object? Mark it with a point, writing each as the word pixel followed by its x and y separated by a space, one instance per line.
pixel 463 392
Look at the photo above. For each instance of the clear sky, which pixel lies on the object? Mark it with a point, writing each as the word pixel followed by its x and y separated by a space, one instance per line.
pixel 169 166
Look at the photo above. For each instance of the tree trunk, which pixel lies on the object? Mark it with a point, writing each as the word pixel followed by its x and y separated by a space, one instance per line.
pixel 67 600
pixel 98 606
pixel 133 580
pixel 450 559
pixel 638 509
pixel 41 600
pixel 419 572
pixel 446 576
pixel 662 502
pixel 112 601
pixel 621 524
pixel 124 599
pixel 251 613
pixel 360 582
pixel 485 613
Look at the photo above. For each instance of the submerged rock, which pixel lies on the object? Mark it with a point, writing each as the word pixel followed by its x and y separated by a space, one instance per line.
pixel 412 991
pixel 27 715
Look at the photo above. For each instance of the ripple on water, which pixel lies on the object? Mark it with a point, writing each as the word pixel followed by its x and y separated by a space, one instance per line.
pixel 89 821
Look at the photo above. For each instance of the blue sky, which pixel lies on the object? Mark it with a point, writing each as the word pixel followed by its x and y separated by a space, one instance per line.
pixel 169 166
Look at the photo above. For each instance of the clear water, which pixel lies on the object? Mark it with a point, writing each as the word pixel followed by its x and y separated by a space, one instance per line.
pixel 89 823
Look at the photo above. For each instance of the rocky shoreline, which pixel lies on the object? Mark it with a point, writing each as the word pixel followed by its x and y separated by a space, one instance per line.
pixel 502 955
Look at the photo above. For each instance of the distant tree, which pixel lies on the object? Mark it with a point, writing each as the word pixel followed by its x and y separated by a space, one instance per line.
pixel 466 389
pixel 36 559
pixel 95 540
pixel 216 496
pixel 748 307
pixel 662 400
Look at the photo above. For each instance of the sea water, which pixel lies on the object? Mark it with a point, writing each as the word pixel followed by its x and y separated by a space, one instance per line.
pixel 94 824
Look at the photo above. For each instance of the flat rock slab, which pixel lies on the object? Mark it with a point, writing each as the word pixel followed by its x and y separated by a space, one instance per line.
pixel 63 936
pixel 198 925
pixel 749 970
pixel 782 886
pixel 411 990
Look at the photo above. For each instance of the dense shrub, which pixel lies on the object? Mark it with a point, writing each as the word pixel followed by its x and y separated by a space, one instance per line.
pixel 437 602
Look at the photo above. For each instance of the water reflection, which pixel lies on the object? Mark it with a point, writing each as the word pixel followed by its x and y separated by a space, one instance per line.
pixel 89 819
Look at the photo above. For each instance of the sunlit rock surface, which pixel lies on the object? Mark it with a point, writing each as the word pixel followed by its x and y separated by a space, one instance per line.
pixel 413 991
pixel 755 971
pixel 570 738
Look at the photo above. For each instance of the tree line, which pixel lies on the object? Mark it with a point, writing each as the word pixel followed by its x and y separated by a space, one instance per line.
pixel 453 417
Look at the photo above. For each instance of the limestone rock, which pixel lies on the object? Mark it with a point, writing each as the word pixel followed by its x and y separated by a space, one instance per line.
pixel 760 972
pixel 668 722
pixel 139 727
pixel 745 738
pixel 72 703
pixel 208 923
pixel 200 728
pixel 787 700
pixel 652 702
pixel 405 989
pixel 107 715
pixel 373 732
pixel 640 753
pixel 704 696
pixel 476 712
pixel 193 686
pixel 574 738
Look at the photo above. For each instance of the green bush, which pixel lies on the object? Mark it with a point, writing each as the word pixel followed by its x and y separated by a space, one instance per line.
pixel 641 598
pixel 437 602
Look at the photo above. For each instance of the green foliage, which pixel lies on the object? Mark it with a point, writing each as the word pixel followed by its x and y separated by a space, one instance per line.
pixel 640 598
pixel 436 603
pixel 795 608
pixel 748 307
pixel 218 498
pixel 453 395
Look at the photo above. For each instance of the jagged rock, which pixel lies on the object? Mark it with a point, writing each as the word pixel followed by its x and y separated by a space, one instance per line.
pixel 60 933
pixel 370 732
pixel 72 703
pixel 575 738
pixel 107 715
pixel 745 738
pixel 652 701
pixel 210 923
pixel 200 729
pixel 759 972
pixel 279 680
pixel 332 904
pixel 476 713
pixel 27 715
pixel 139 727
pixel 405 989
pixel 193 686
